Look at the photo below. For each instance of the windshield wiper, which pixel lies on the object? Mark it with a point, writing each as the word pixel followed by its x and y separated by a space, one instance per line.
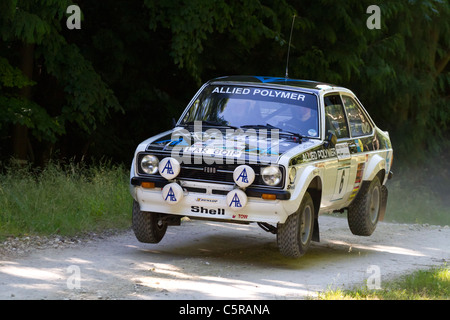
pixel 259 126
pixel 269 126
pixel 208 123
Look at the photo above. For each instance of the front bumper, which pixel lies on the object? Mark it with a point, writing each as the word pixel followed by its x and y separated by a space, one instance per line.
pixel 206 200
pixel 160 182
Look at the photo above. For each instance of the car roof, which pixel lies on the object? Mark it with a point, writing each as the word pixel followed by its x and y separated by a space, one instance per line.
pixel 309 85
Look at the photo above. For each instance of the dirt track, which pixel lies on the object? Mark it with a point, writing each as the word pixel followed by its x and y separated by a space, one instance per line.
pixel 206 260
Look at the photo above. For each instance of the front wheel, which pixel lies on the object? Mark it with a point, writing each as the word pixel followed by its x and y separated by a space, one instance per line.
pixel 148 227
pixel 294 236
pixel 364 211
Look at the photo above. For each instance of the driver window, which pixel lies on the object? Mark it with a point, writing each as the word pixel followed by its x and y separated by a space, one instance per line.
pixel 335 121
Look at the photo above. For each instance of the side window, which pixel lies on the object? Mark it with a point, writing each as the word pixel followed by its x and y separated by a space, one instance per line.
pixel 359 124
pixel 335 121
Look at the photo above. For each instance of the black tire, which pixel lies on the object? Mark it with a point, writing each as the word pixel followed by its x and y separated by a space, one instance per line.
pixel 147 226
pixel 364 211
pixel 294 236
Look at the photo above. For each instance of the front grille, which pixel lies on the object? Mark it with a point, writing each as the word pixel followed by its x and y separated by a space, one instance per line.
pixel 222 173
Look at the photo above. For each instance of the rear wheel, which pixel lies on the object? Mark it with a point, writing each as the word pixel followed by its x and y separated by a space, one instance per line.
pixel 148 227
pixel 294 236
pixel 364 211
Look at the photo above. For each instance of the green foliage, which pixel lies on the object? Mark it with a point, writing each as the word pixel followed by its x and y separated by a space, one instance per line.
pixel 412 54
pixel 84 106
pixel 18 110
pixel 63 199
pixel 11 76
pixel 193 23
pixel 86 101
pixel 137 64
pixel 30 21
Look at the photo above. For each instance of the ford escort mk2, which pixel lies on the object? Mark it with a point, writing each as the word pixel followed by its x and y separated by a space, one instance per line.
pixel 277 152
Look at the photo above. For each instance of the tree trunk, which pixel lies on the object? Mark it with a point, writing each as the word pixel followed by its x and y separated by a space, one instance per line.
pixel 20 132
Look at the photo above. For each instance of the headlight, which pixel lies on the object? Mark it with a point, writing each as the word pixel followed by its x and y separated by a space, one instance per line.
pixel 271 175
pixel 149 164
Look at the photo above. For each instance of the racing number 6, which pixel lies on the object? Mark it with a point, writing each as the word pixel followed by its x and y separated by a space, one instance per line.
pixel 341 183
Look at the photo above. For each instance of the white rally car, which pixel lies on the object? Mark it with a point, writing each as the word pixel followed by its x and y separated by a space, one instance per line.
pixel 274 151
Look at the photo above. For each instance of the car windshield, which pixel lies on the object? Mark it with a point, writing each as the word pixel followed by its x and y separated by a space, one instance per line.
pixel 242 106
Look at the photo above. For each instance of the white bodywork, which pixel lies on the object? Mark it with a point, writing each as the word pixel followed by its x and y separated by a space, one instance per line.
pixel 340 175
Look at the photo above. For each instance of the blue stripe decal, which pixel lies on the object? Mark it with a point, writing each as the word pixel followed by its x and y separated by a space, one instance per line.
pixel 277 79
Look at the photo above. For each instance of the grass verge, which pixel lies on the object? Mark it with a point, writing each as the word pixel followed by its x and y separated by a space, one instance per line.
pixel 432 284
pixel 63 199
pixel 415 203
pixel 420 194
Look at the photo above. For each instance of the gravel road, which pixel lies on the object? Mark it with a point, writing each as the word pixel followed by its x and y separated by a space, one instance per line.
pixel 208 260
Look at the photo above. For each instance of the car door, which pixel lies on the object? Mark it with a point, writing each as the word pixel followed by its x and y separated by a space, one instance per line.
pixel 339 172
pixel 361 132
